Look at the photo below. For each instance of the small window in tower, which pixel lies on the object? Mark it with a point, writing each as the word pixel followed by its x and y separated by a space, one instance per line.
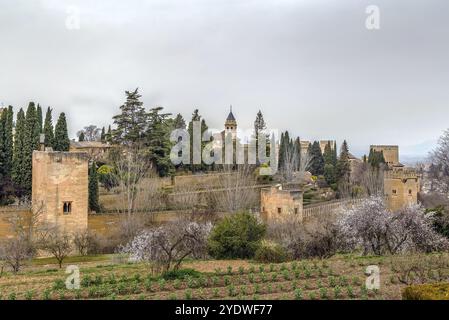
pixel 410 191
pixel 279 210
pixel 227 128
pixel 394 191
pixel 67 207
pixel 296 210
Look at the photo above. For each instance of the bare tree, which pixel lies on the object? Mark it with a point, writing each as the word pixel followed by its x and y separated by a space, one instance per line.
pixel 295 163
pixel 370 179
pixel 236 190
pixel 85 242
pixel 57 243
pixel 138 188
pixel 91 133
pixel 319 237
pixel 440 164
pixel 16 252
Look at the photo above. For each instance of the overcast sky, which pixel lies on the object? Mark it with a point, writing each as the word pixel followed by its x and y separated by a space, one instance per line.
pixel 311 66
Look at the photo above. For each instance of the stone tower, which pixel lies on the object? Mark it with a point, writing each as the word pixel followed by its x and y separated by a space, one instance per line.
pixel 401 184
pixel 231 125
pixel 60 189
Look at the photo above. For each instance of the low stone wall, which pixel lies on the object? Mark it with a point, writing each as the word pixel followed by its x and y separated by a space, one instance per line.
pixel 318 210
pixel 6 215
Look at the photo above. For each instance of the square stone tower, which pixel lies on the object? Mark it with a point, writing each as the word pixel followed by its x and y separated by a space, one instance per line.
pixel 280 201
pixel 401 188
pixel 60 189
pixel 391 153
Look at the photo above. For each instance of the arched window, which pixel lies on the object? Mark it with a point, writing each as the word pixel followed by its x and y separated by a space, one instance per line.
pixel 67 207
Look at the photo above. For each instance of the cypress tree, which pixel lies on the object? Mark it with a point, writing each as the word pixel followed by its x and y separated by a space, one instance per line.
pixel 31 143
pixel 329 167
pixel 2 142
pixel 103 135
pixel 19 141
pixel 316 159
pixel 297 149
pixel 94 204
pixel 39 117
pixel 8 142
pixel 109 135
pixel 343 168
pixel 61 142
pixel 48 129
pixel 376 158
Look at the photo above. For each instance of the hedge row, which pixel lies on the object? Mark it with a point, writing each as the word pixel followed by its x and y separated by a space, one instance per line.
pixel 434 291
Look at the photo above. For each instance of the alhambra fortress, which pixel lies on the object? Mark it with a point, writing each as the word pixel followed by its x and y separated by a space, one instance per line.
pixel 60 186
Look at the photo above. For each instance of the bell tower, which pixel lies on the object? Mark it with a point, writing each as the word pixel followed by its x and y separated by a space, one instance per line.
pixel 231 124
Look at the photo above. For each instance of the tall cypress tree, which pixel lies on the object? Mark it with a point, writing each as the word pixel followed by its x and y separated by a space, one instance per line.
pixel 329 164
pixel 19 142
pixel 61 142
pixel 2 142
pixel 31 143
pixel 316 159
pixel 94 204
pixel 48 129
pixel 8 142
pixel 344 169
pixel 103 135
pixel 109 135
pixel 39 117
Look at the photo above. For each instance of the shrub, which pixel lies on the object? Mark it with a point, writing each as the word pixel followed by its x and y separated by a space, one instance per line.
pixel 236 236
pixel 434 291
pixel 270 252
pixel 180 274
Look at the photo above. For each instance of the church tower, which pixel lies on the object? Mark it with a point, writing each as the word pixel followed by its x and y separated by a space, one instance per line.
pixel 231 125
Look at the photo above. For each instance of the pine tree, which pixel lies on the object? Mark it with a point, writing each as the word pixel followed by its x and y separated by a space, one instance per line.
pixel 48 129
pixel 316 159
pixel 81 137
pixel 260 127
pixel 158 141
pixel 131 122
pixel 103 135
pixel 94 204
pixel 39 117
pixel 179 122
pixel 61 141
pixel 19 142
